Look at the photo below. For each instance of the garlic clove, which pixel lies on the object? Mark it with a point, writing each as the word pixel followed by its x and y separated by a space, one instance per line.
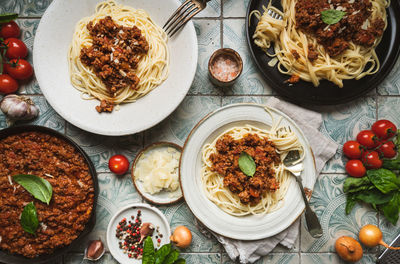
pixel 17 107
pixel 95 250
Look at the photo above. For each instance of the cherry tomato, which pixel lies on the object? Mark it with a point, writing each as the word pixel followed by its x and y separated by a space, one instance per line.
pixel 352 149
pixel 355 168
pixel 19 69
pixel 7 84
pixel 368 139
pixel 16 48
pixel 388 149
pixel 118 164
pixel 384 129
pixel 10 30
pixel 372 160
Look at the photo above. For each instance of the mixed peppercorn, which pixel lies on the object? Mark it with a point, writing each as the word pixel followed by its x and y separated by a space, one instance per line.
pixel 132 235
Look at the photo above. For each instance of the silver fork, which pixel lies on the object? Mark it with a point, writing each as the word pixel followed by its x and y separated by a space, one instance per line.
pixel 313 225
pixel 183 14
pixel 274 15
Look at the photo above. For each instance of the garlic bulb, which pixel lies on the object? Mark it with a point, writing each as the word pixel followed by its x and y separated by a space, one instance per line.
pixel 17 107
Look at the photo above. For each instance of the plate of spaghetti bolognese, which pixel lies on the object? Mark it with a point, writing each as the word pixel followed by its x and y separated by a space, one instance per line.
pixel 232 173
pixel 323 52
pixel 108 67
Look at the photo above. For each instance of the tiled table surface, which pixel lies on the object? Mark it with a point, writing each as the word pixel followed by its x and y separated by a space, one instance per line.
pixel 222 24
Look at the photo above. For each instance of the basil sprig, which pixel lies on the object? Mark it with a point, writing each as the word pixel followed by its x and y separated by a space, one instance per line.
pixel 332 16
pixel 247 164
pixel 164 255
pixel 380 188
pixel 7 17
pixel 29 219
pixel 40 188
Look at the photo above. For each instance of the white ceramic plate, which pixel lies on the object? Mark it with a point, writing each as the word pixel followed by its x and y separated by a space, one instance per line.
pixel 52 40
pixel 247 227
pixel 149 214
pixel 163 197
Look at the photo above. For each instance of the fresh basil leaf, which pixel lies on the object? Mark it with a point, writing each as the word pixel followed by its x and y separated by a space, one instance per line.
pixel 172 257
pixel 148 251
pixel 247 164
pixel 373 197
pixel 391 164
pixel 383 179
pixel 40 188
pixel 162 253
pixel 332 16
pixel 180 261
pixel 350 203
pixel 352 184
pixel 7 17
pixel 29 219
pixel 392 208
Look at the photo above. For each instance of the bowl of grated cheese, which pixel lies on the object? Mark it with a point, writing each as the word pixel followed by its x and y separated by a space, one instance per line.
pixel 155 173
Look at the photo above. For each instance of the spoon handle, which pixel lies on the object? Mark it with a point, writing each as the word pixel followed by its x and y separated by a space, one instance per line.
pixel 313 225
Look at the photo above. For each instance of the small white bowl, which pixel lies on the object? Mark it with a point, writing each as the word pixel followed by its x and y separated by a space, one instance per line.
pixel 163 197
pixel 149 214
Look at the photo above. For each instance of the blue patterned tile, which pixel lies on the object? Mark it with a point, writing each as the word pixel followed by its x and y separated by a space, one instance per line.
pixel 213 9
pixel 202 258
pixel 388 108
pixel 178 125
pixel 202 240
pixel 31 8
pixel 208 37
pixel 115 192
pixel 333 259
pixel 328 201
pixel 391 85
pixel 227 100
pixel 251 81
pixel 342 123
pixel 28 30
pixel 47 116
pixel 101 148
pixel 289 258
pixel 77 258
pixel 235 8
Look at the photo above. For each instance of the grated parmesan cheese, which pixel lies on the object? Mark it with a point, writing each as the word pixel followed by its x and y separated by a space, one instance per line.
pixel 44 227
pixel 365 25
pixel 10 180
pixel 158 170
pixel 48 175
pixel 80 183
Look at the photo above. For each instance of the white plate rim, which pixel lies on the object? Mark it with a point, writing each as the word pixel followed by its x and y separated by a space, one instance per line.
pixel 137 205
pixel 41 79
pixel 226 233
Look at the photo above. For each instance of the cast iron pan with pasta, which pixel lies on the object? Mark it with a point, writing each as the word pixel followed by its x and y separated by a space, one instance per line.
pixel 326 93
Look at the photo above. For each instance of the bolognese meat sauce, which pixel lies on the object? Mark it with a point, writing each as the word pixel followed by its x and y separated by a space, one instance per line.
pixel 355 26
pixel 226 162
pixel 114 55
pixel 71 204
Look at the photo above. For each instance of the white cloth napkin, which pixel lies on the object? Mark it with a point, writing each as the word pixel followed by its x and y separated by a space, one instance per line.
pixel 323 149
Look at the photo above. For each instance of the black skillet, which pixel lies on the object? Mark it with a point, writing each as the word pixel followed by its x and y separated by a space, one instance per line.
pixel 8 258
pixel 327 93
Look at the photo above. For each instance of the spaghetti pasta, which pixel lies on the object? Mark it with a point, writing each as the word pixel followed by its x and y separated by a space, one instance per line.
pixel 284 140
pixel 355 62
pixel 152 68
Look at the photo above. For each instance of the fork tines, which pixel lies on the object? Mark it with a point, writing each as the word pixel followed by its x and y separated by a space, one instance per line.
pixel 274 15
pixel 181 16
